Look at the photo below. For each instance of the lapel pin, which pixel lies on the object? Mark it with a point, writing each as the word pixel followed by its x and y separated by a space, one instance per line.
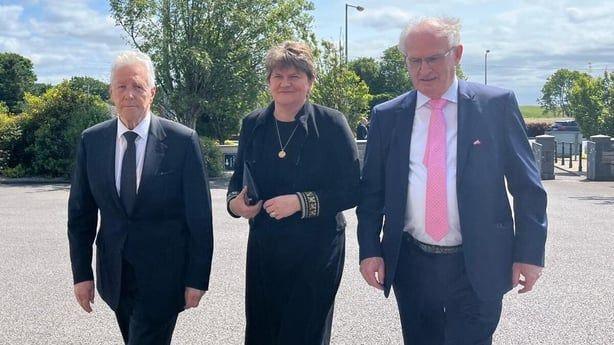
pixel 477 142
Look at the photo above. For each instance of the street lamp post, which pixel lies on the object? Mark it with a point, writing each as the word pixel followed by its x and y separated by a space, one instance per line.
pixel 360 9
pixel 486 66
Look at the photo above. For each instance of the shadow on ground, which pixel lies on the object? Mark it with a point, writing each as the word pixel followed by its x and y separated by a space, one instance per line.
pixel 599 200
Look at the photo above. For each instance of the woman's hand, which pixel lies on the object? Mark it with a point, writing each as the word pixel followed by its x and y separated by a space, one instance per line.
pixel 240 208
pixel 282 206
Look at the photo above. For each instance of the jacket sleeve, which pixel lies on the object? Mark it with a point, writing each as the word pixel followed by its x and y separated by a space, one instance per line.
pixel 343 193
pixel 197 203
pixel 236 181
pixel 370 207
pixel 524 184
pixel 82 219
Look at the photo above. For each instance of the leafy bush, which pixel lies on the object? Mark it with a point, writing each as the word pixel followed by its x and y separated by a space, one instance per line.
pixel 49 129
pixel 381 98
pixel 62 113
pixel 9 134
pixel 537 128
pixel 214 159
pixel 18 171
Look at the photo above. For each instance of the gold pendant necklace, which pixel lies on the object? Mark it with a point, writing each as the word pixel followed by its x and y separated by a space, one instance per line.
pixel 282 148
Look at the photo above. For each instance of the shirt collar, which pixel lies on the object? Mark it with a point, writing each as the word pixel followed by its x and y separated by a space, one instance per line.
pixel 451 95
pixel 141 129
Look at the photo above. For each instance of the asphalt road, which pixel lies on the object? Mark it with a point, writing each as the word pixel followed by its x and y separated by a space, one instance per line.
pixel 573 302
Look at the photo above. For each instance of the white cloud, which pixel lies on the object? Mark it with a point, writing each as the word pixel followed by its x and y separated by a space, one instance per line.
pixel 581 15
pixel 383 18
pixel 10 21
pixel 62 38
pixel 9 17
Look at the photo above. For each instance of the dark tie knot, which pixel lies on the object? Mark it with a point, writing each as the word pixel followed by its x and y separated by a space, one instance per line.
pixel 130 137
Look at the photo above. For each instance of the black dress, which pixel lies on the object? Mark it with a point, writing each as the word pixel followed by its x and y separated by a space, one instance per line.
pixel 294 265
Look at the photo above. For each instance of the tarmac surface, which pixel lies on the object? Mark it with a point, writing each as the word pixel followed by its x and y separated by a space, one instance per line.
pixel 573 302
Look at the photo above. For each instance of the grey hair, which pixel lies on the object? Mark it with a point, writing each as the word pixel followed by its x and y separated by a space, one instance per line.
pixel 131 57
pixel 443 26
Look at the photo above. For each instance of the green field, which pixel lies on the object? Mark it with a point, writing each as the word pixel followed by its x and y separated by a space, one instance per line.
pixel 534 113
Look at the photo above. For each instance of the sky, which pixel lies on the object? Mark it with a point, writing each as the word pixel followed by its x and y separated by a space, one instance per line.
pixel 528 39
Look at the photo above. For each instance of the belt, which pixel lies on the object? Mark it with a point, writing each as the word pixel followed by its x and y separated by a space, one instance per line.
pixel 431 248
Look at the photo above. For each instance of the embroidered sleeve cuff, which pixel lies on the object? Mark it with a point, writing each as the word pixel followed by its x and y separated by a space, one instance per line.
pixel 310 204
pixel 229 198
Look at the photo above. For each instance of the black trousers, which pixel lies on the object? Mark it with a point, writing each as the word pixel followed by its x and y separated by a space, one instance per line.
pixel 292 279
pixel 137 328
pixel 437 303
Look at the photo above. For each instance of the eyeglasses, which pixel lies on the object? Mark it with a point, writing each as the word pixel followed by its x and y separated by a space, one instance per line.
pixel 415 63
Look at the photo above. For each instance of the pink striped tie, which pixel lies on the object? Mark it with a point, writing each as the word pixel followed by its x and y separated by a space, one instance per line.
pixel 436 217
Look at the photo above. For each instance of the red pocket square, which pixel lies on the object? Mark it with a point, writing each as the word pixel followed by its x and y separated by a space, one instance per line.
pixel 477 142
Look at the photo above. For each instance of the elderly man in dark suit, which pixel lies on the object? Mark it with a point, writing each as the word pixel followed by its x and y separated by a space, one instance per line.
pixel 435 172
pixel 146 177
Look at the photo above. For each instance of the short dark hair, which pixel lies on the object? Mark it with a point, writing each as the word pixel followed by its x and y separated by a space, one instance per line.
pixel 291 54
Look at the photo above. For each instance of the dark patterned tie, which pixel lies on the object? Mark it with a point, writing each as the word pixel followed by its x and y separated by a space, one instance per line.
pixel 127 192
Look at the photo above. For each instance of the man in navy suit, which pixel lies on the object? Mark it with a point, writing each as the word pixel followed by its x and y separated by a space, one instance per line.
pixel 436 166
pixel 146 177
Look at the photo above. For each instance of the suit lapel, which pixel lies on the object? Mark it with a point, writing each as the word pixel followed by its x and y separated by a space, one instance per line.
pixel 253 150
pixel 108 161
pixel 466 124
pixel 307 116
pixel 155 150
pixel 399 148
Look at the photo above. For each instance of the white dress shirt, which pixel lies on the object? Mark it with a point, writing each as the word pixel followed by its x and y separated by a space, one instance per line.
pixel 142 129
pixel 416 191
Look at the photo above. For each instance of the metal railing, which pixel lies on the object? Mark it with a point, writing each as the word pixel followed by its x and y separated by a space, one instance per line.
pixel 567 152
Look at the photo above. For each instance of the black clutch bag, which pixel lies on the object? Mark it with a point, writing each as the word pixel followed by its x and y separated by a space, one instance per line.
pixel 251 196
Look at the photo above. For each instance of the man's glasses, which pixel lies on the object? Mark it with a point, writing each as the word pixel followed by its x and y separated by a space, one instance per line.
pixel 415 63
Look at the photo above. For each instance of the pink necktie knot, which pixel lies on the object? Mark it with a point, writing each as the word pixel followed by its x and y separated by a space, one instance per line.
pixel 438 104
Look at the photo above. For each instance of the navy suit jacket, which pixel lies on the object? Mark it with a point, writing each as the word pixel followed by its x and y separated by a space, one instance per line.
pixel 168 238
pixel 493 151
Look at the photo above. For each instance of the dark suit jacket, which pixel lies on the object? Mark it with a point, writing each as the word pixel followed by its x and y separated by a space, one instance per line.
pixel 492 149
pixel 328 174
pixel 168 238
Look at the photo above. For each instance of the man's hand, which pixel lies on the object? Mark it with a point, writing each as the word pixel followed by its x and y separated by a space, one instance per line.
pixel 192 297
pixel 84 293
pixel 529 272
pixel 373 271
pixel 282 206
pixel 240 208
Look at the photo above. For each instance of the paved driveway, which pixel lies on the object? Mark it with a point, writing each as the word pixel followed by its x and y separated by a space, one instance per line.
pixel 573 303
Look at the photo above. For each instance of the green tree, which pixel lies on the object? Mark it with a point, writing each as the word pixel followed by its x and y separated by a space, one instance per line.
pixel 368 69
pixel 339 87
pixel 16 77
pixel 38 89
pixel 590 101
pixel 555 91
pixel 209 54
pixel 90 86
pixel 394 77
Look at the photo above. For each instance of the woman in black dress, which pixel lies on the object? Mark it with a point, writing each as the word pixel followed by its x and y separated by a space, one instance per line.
pixel 304 163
